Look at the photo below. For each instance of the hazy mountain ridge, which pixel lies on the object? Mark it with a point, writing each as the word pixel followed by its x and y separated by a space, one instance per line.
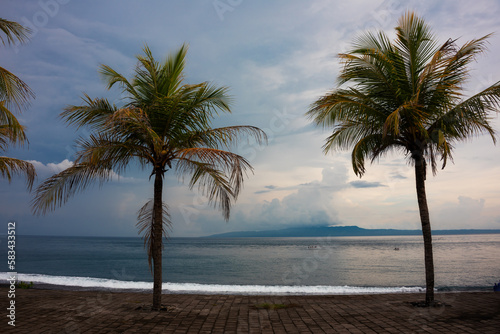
pixel 341 231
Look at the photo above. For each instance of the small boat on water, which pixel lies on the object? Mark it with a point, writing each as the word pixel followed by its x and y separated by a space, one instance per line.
pixel 496 287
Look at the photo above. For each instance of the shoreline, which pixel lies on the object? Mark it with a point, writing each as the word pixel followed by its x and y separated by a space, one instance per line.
pixel 348 290
pixel 103 284
pixel 42 310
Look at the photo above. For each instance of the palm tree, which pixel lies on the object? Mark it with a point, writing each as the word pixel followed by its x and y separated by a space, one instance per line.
pixel 165 124
pixel 13 93
pixel 406 96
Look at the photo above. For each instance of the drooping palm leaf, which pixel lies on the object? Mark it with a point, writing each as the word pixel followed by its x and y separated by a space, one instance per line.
pixel 11 131
pixel 145 219
pixel 13 91
pixel 57 189
pixel 11 166
pixel 13 32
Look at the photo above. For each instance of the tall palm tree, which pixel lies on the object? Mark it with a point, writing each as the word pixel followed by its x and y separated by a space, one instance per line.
pixel 406 96
pixel 165 124
pixel 13 93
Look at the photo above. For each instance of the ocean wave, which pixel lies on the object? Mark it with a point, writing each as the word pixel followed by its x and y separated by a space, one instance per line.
pixel 104 283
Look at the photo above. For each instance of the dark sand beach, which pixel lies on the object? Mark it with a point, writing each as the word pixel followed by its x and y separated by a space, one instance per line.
pixel 64 311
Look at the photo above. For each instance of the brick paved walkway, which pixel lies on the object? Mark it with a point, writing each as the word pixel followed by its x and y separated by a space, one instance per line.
pixel 59 311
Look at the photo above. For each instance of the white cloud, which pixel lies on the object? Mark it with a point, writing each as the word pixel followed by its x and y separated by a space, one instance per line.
pixel 312 203
pixel 51 168
pixel 467 212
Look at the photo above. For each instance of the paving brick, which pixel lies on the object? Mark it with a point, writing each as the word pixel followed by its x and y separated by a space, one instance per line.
pixel 63 311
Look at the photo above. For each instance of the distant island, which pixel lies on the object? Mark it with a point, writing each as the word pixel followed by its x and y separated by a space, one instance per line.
pixel 340 231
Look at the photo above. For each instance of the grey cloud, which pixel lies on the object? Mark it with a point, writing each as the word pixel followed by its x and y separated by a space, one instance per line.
pixel 456 215
pixel 366 184
pixel 398 176
pixel 311 203
pixel 268 189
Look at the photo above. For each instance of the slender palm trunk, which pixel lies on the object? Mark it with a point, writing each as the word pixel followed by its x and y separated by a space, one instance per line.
pixel 420 171
pixel 157 239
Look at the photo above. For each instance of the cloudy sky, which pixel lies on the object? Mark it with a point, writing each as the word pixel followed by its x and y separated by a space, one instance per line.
pixel 277 57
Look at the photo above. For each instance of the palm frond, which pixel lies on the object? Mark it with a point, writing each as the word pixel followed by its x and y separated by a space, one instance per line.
pixel 416 44
pixel 224 137
pixel 10 167
pixel 14 91
pixel 13 32
pixel 155 80
pixel 111 77
pixel 346 105
pixel 209 98
pixel 344 135
pixel 471 116
pixel 111 151
pixel 213 183
pixel 145 219
pixel 366 147
pixel 95 113
pixel 368 62
pixel 172 71
pixel 447 73
pixel 191 109
pixel 11 131
pixel 218 174
pixel 198 104
pixel 56 190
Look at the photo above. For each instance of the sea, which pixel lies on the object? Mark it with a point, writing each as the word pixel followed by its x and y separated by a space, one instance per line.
pixel 285 266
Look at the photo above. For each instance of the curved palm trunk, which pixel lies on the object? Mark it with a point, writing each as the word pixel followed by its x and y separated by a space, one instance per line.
pixel 420 171
pixel 157 235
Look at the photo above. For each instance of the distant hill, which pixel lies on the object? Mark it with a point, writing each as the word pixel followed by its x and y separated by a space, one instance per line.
pixel 340 231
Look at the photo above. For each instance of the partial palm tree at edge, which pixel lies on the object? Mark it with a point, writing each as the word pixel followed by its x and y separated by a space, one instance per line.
pixel 14 93
pixel 406 95
pixel 165 125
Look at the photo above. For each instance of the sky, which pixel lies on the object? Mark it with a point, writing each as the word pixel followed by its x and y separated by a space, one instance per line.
pixel 277 57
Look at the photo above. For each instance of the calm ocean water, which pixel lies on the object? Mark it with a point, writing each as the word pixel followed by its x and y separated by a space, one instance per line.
pixel 341 265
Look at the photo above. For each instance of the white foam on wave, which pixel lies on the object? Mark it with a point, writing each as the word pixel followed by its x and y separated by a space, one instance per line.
pixel 283 289
pixel 104 283
pixel 84 282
